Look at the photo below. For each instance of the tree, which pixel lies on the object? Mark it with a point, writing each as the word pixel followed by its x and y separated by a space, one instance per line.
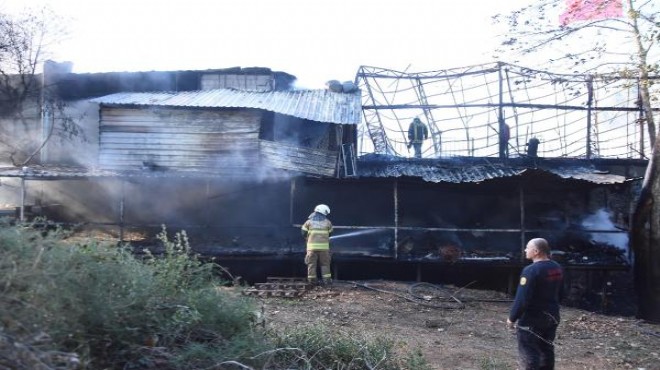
pixel 590 37
pixel 599 31
pixel 24 98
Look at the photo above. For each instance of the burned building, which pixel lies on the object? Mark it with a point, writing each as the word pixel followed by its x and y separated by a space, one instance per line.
pixel 207 160
pixel 238 158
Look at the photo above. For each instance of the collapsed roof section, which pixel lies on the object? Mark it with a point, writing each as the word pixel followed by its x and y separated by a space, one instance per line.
pixel 476 170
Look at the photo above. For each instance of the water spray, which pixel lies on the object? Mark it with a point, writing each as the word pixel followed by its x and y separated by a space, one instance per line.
pixel 355 233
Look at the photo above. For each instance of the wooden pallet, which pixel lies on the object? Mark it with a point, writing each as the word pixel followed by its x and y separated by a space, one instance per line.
pixel 279 287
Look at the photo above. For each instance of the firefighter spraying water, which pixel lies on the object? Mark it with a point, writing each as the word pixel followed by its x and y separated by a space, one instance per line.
pixel 316 231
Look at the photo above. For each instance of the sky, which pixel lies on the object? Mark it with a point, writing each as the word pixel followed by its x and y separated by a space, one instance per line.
pixel 315 40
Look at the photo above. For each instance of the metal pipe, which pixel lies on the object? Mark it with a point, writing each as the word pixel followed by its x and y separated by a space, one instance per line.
pixel 208 201
pixel 500 93
pixel 472 230
pixel 503 105
pixel 396 219
pixel 121 212
pixel 23 195
pixel 590 100
pixel 522 222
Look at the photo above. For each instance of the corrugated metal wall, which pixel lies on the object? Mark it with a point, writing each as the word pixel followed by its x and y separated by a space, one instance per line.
pixel 218 141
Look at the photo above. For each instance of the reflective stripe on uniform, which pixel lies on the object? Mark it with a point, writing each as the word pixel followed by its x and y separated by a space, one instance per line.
pixel 318 234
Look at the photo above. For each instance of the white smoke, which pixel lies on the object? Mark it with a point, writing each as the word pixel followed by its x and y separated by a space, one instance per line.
pixel 602 220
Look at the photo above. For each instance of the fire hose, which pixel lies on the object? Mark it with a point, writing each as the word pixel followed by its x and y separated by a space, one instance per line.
pixel 454 304
pixel 450 300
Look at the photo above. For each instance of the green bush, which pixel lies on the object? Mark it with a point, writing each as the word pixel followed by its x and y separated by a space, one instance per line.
pixel 101 301
pixel 171 311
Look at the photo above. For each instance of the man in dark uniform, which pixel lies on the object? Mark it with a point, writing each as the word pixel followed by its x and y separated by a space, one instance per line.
pixel 536 307
pixel 417 133
pixel 533 147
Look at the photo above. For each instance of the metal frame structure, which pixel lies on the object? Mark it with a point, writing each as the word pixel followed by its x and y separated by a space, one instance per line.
pixel 581 116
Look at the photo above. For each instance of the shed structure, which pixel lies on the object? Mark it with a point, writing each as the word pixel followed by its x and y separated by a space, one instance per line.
pixel 228 131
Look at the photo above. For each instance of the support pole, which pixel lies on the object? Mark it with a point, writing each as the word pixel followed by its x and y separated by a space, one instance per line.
pixel 396 219
pixel 590 102
pixel 23 196
pixel 500 91
pixel 208 202
pixel 121 211
pixel 292 192
pixel 500 113
pixel 522 222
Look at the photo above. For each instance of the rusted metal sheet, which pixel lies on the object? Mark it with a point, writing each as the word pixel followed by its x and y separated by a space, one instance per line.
pixel 294 158
pixel 315 105
pixel 170 139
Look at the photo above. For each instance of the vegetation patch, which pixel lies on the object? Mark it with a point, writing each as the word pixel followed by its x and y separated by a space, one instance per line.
pixel 94 306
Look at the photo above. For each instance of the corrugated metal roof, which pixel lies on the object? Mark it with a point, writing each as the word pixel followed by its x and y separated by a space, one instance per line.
pixel 469 170
pixel 433 170
pixel 587 174
pixel 436 173
pixel 315 105
pixel 51 172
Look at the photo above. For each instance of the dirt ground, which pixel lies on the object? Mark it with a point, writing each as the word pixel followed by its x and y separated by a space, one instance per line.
pixel 462 328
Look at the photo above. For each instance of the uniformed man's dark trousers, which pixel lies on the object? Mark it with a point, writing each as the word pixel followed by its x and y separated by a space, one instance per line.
pixel 535 347
pixel 418 149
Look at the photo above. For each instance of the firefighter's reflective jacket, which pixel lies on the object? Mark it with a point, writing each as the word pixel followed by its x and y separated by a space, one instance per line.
pixel 317 230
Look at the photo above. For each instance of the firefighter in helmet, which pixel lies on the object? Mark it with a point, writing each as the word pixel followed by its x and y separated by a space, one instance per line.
pixel 417 133
pixel 316 231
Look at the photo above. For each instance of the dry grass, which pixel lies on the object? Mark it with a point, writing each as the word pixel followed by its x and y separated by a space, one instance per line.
pixel 474 337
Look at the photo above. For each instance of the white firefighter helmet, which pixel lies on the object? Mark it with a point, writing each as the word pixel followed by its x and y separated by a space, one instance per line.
pixel 322 209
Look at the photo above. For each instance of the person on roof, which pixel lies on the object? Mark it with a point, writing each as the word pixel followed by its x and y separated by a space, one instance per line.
pixel 533 147
pixel 417 133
